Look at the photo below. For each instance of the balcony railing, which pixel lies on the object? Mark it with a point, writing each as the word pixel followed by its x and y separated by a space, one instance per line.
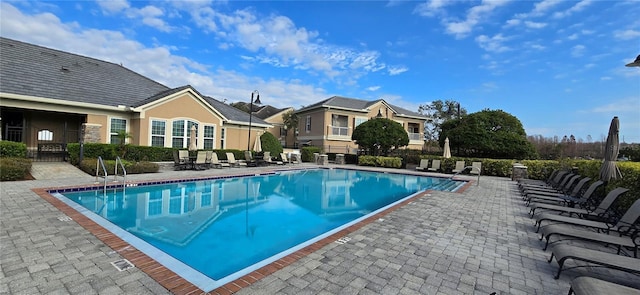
pixel 415 136
pixel 339 131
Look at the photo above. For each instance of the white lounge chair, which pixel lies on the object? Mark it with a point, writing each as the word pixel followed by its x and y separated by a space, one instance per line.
pixel 424 165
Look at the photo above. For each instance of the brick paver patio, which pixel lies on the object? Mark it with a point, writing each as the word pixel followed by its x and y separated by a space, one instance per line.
pixel 479 241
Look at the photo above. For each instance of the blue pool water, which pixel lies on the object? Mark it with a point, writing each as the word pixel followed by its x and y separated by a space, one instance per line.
pixel 223 226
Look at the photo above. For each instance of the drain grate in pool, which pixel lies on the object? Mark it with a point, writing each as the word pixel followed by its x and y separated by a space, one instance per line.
pixel 343 240
pixel 64 218
pixel 122 264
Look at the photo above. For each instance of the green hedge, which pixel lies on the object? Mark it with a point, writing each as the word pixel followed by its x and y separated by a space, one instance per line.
pixel 10 149
pixel 306 153
pixel 14 168
pixel 88 165
pixel 134 153
pixel 379 161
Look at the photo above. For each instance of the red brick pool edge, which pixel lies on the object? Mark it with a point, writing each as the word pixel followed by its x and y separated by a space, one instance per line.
pixel 178 285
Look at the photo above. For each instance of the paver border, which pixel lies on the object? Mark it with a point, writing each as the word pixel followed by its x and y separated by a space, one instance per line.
pixel 178 285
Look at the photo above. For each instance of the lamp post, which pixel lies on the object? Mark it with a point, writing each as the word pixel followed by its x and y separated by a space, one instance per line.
pixel 251 115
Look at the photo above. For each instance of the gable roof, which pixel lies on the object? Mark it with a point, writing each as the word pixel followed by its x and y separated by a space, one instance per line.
pixel 232 114
pixel 359 105
pixel 268 111
pixel 32 70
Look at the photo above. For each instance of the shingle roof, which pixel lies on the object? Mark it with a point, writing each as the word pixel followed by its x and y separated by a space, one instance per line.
pixel 357 104
pixel 32 70
pixel 267 111
pixel 232 113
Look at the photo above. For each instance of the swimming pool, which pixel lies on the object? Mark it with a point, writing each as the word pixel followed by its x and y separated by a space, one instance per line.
pixel 213 231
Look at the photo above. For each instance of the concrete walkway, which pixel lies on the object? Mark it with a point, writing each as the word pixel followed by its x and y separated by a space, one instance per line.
pixel 476 242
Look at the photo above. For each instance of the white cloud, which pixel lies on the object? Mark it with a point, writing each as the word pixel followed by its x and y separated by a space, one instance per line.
pixel 543 6
pixel 605 78
pixel 397 70
pixel 157 63
pixel 113 6
pixel 626 34
pixel 534 25
pixel 149 15
pixel 373 88
pixel 492 44
pixel 431 7
pixel 576 8
pixel 577 51
pixel 573 37
pixel 537 47
pixel 513 22
pixel 475 15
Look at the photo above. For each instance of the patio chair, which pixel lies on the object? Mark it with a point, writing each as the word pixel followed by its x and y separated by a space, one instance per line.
pixel 179 163
pixel 562 252
pixel 572 197
pixel 207 161
pixel 624 227
pixel 476 168
pixel 284 158
pixel 435 166
pixel 231 159
pixel 268 160
pixel 201 161
pixel 424 165
pixel 459 167
pixel 563 187
pixel 216 163
pixel 557 179
pixel 588 285
pixel 528 181
pixel 585 209
pixel 248 157
pixel 295 159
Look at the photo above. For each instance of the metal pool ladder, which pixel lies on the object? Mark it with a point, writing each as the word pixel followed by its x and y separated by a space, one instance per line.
pixel 124 172
pixel 465 169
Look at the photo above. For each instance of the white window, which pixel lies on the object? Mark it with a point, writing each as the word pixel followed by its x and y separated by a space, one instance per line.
pixel 180 133
pixel 222 132
pixel 209 136
pixel 307 126
pixel 117 125
pixel 45 135
pixel 158 129
pixel 358 121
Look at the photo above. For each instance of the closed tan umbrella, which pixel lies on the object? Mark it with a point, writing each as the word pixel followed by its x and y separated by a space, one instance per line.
pixel 447 149
pixel 192 139
pixel 609 168
pixel 257 145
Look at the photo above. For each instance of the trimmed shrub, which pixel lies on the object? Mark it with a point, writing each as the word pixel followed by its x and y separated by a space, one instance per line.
pixel 10 149
pixel 14 168
pixel 270 144
pixel 306 153
pixel 379 161
pixel 88 165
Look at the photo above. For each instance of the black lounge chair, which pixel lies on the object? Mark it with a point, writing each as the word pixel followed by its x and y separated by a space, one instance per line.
pixel 562 252
pixel 593 286
pixel 179 163
pixel 557 179
pixel 564 187
pixel 559 197
pixel 598 221
pixel 528 181
pixel 628 233
pixel 588 195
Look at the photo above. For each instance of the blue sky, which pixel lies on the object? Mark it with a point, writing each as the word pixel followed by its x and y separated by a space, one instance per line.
pixel 558 66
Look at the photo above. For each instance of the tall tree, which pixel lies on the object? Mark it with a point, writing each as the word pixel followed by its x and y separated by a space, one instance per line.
pixel 439 112
pixel 488 134
pixel 290 121
pixel 378 136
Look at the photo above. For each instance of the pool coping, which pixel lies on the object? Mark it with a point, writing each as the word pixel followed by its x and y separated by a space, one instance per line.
pixel 178 285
